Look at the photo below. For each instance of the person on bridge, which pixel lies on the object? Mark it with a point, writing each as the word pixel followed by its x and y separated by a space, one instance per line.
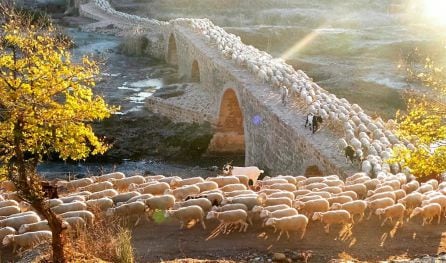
pixel 284 94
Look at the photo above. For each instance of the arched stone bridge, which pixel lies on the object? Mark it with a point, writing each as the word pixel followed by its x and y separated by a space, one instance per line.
pixel 247 114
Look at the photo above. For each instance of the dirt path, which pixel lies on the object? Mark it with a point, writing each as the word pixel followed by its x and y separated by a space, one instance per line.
pixel 366 241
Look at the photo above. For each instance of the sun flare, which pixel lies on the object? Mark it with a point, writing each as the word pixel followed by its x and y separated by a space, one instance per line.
pixel 435 9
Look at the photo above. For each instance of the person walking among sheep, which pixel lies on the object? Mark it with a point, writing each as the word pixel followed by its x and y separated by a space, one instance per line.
pixel 284 94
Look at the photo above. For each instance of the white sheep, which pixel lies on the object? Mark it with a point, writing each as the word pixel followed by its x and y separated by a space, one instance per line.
pixel 75 184
pixel 333 217
pixel 312 206
pixel 188 181
pixel 162 202
pixel 124 197
pixel 269 201
pixel 17 220
pixel 390 212
pixel 182 192
pixel 8 203
pixel 278 213
pixel 440 199
pixel 123 184
pixel 410 186
pixel 289 195
pixel 239 192
pixel 53 202
pixel 104 193
pixel 228 207
pixel 252 172
pixel 204 203
pixel 187 214
pixel 290 223
pixel 27 240
pixel 207 186
pixel 102 203
pixel 69 199
pixel 283 186
pixel 379 203
pixel 230 217
pixel 249 201
pixel 341 199
pixel 412 200
pixel 86 215
pixel 224 180
pixel 233 187
pixel 137 208
pixel 74 206
pixel 39 226
pixel 355 207
pixel 353 195
pixel 428 212
pixel 359 189
pixel 109 176
pixel 9 210
pixel 4 231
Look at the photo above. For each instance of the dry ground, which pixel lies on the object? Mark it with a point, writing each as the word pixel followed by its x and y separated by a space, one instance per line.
pixel 366 241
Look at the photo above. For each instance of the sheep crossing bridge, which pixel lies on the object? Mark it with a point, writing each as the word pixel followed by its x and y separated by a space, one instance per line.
pixel 246 112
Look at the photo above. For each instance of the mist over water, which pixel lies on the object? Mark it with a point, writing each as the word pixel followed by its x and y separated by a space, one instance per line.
pixel 355 44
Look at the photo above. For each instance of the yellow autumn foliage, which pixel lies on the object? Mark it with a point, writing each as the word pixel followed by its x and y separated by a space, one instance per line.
pixel 424 123
pixel 46 95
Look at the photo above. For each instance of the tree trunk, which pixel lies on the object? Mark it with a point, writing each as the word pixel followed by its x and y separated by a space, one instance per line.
pixel 56 229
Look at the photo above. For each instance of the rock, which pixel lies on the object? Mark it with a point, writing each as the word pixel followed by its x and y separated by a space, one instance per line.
pixel 279 257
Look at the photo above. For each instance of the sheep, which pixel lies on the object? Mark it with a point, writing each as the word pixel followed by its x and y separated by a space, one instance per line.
pixel 224 180
pixel 75 184
pixel 109 176
pixel 168 180
pixel 380 189
pixel 289 178
pixel 289 195
pixel 104 193
pixel 86 215
pixel 428 212
pixel 138 198
pixel 239 192
pixel 124 197
pixel 311 180
pixel 393 211
pixel 204 203
pixel 411 200
pixel 123 184
pixel 156 178
pixel 182 192
pixel 301 192
pixel 70 199
pixel 278 213
pixel 425 188
pixel 125 210
pixel 330 189
pixel 9 210
pixel 207 186
pixel 259 209
pixel 233 187
pixel 155 188
pixel 314 186
pixel 411 186
pixel 355 207
pixel 228 207
pixel 333 217
pixel 433 183
pixel 353 195
pixel 379 203
pixel 28 240
pixel 272 181
pixel 249 201
pixel 395 184
pixel 53 202
pixel 39 226
pixel 312 206
pixel 441 200
pixel 339 199
pixel 189 181
pixel 75 206
pixel 283 186
pixel 382 195
pixel 230 217
pixel 186 214
pixel 6 203
pixel 400 193
pixel 17 220
pixel 334 183
pixel 325 195
pixel 4 231
pixel 252 172
pixel 215 198
pixel 289 223
pixel 359 189
pixel 102 203
pixel 372 184
pixel 269 201
pixel 243 179
pixel 162 202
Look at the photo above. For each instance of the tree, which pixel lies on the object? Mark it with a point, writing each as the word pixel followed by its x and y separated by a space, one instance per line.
pixel 46 106
pixel 424 123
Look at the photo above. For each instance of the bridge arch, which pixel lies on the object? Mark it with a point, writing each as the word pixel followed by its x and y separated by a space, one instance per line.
pixel 195 72
pixel 229 137
pixel 172 55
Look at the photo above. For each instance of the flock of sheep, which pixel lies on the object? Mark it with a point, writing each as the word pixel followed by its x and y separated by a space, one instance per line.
pixel 372 139
pixel 285 203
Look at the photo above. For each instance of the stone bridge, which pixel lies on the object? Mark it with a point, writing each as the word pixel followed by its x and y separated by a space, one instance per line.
pixel 247 114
